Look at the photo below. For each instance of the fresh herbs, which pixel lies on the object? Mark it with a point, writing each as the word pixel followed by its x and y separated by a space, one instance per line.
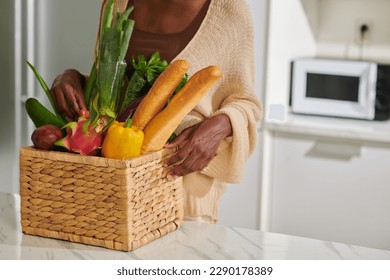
pixel 149 69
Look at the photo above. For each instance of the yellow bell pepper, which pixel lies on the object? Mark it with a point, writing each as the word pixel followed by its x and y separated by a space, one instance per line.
pixel 122 141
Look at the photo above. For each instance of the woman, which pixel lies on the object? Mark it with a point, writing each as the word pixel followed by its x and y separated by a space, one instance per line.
pixel 220 133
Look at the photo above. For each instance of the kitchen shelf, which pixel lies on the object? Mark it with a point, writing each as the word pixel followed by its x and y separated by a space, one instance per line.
pixel 348 129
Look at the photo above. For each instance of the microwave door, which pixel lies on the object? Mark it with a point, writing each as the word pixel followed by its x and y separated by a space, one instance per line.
pixel 335 90
pixel 332 87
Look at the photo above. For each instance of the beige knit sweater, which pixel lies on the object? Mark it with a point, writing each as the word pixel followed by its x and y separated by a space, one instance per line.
pixel 225 38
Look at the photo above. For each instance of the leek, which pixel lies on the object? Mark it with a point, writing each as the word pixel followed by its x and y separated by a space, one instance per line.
pixel 109 69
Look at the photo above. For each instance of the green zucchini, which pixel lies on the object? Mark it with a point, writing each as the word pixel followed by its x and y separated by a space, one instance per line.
pixel 40 115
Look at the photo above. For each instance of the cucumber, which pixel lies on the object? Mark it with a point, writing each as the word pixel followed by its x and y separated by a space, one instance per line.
pixel 40 115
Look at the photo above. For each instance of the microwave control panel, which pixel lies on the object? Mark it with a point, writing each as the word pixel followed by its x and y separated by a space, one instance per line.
pixel 382 100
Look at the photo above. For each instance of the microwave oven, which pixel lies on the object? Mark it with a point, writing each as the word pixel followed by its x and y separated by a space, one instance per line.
pixel 340 88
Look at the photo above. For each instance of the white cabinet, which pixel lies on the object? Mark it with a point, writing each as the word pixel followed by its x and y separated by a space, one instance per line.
pixel 329 188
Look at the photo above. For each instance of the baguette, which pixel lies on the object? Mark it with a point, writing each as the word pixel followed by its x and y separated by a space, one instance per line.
pixel 160 92
pixel 161 127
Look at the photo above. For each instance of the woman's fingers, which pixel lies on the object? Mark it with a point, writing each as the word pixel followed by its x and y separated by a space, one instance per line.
pixel 180 138
pixel 193 163
pixel 61 104
pixel 179 156
pixel 67 92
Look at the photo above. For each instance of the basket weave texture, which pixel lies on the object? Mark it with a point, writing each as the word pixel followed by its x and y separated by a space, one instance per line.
pixel 116 204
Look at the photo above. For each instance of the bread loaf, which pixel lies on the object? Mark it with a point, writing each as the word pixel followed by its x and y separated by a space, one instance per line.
pixel 161 127
pixel 160 92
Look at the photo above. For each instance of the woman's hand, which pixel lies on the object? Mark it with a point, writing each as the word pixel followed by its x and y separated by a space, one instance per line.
pixel 67 93
pixel 198 145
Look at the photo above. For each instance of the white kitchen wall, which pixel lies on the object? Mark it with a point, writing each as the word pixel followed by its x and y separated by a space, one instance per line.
pixel 338 29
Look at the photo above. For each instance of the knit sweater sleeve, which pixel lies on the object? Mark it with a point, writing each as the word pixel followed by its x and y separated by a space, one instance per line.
pixel 226 39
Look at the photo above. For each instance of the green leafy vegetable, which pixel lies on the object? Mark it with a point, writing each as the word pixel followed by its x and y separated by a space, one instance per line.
pixel 150 69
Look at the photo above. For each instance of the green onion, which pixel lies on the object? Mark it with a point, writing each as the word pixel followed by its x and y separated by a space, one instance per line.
pixel 103 94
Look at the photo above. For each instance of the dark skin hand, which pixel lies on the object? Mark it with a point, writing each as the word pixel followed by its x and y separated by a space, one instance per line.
pixel 67 93
pixel 198 145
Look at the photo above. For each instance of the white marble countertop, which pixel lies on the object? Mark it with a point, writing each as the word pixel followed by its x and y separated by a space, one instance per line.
pixel 351 129
pixel 192 241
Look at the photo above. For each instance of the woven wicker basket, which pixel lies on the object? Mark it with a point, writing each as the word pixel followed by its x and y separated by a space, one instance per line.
pixel 116 204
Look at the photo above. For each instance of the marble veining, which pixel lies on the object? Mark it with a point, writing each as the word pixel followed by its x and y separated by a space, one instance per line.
pixel 192 241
